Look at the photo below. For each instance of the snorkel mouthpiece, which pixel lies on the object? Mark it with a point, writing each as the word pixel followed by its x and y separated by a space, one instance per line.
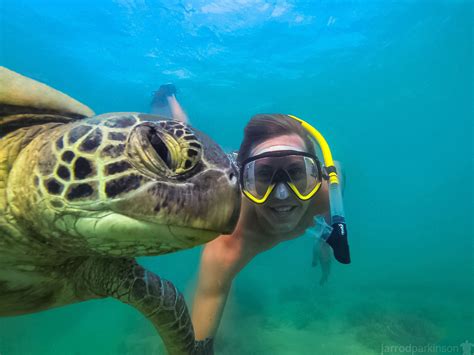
pixel 337 240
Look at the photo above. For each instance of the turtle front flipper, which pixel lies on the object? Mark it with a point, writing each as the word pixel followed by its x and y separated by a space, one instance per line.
pixel 27 102
pixel 157 299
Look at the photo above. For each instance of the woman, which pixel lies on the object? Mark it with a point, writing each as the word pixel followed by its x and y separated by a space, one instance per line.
pixel 273 144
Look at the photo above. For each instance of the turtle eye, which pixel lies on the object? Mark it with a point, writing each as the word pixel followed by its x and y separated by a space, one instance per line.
pixel 158 150
pixel 151 151
pixel 160 147
pixel 188 152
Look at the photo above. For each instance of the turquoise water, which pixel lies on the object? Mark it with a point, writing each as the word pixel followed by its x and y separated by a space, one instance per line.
pixel 389 84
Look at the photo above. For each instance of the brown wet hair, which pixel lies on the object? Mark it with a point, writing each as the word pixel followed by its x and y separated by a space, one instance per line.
pixel 265 126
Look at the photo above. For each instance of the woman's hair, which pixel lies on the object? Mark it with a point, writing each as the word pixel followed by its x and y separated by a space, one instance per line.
pixel 265 126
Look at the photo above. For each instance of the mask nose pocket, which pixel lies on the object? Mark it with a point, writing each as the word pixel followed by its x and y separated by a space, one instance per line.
pixel 281 192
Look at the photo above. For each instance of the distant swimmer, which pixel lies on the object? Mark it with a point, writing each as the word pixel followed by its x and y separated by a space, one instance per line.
pixel 164 103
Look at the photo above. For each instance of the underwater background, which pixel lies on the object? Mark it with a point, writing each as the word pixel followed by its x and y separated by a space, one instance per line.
pixel 390 86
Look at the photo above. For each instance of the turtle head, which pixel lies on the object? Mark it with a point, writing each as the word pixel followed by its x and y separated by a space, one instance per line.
pixel 129 184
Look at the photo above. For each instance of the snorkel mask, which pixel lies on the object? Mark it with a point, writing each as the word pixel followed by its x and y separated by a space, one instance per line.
pixel 301 172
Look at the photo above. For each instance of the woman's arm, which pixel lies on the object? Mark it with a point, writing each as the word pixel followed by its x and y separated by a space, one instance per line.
pixel 215 280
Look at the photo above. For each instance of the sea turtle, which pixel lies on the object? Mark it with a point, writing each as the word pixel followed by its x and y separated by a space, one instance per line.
pixel 81 196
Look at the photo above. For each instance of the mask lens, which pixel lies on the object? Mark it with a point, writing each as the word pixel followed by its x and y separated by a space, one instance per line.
pixel 304 174
pixel 258 176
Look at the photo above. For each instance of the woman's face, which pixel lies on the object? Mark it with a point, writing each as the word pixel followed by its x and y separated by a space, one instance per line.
pixel 283 210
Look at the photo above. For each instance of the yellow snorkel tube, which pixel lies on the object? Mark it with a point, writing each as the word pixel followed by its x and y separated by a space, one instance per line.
pixel 338 237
